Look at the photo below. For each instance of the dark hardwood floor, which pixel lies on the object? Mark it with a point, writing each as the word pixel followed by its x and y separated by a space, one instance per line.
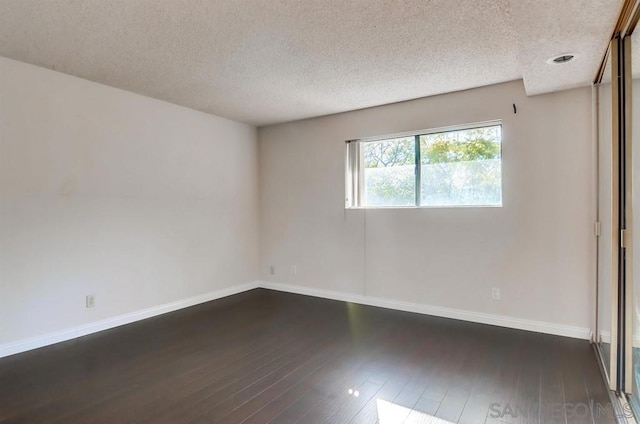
pixel 264 356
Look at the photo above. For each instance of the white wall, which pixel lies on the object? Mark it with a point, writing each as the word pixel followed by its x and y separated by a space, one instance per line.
pixel 538 248
pixel 141 203
pixel 105 192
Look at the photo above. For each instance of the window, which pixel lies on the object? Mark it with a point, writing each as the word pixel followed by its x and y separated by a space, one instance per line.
pixel 440 168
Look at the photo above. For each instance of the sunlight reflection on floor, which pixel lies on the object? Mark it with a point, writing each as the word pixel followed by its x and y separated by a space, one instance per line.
pixel 390 413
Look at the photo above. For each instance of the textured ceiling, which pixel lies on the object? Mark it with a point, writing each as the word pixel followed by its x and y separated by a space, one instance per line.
pixel 272 61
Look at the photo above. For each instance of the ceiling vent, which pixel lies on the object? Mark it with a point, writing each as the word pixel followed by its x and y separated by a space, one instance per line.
pixel 559 60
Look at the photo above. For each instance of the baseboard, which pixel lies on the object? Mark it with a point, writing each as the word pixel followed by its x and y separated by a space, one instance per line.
pixel 605 337
pixel 482 318
pixel 94 327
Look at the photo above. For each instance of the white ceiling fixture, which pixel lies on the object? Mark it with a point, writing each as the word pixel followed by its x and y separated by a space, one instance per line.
pixel 265 62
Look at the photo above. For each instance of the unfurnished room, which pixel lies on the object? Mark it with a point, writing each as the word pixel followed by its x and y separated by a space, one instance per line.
pixel 319 211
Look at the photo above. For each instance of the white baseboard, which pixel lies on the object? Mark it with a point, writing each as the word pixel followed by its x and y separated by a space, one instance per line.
pixel 94 327
pixel 605 336
pixel 478 317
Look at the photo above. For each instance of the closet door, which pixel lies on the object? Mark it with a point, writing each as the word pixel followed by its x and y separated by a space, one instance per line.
pixel 633 188
pixel 607 281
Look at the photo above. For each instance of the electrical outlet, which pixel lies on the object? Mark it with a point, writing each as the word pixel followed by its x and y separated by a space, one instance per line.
pixel 294 270
pixel 495 293
pixel 90 301
pixel 272 270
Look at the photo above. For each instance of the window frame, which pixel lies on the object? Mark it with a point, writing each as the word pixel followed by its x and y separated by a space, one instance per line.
pixel 354 167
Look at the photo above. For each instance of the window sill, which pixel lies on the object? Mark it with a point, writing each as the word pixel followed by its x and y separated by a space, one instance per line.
pixel 426 207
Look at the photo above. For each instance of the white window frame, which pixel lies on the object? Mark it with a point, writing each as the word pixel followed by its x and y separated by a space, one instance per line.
pixel 354 166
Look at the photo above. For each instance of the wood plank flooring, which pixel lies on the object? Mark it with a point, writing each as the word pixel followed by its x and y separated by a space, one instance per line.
pixel 269 357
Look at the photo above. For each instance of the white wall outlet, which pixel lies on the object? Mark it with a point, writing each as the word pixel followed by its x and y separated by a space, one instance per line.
pixel 272 270
pixel 90 301
pixel 495 293
pixel 294 270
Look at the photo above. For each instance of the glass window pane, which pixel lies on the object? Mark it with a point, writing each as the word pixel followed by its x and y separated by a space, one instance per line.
pixel 389 172
pixel 461 168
